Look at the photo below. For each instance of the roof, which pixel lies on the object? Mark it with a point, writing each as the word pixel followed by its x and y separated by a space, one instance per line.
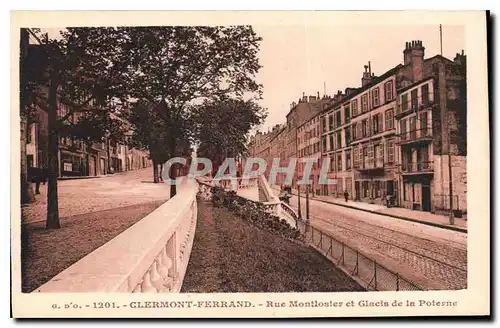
pixel 362 89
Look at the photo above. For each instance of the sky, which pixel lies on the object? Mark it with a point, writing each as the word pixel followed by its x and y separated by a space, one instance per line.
pixel 302 58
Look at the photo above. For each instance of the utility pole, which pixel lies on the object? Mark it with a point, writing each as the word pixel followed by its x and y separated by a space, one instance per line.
pixel 441 38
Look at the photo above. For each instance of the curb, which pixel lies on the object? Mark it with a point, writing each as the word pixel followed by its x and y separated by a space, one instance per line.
pixel 462 230
pixel 79 177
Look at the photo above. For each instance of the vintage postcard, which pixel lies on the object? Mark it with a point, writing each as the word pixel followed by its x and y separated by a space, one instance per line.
pixel 249 164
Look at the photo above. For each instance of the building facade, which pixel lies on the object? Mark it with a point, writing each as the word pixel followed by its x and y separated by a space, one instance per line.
pixel 400 137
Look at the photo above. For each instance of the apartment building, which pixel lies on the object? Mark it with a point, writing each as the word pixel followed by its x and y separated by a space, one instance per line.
pixel 300 112
pixel 308 147
pixel 431 125
pixel 75 157
pixel 384 138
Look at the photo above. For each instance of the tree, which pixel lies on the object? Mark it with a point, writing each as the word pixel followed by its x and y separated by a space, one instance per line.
pixel 222 126
pixel 150 134
pixel 82 74
pixel 178 66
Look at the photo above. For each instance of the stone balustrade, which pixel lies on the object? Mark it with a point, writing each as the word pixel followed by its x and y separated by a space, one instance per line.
pixel 149 257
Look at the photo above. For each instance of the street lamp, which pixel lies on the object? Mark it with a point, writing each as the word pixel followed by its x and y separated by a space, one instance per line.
pixel 298 193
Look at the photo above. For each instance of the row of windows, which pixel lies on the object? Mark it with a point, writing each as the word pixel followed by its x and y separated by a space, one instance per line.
pixel 335 119
pixel 370 155
pixel 412 99
pixel 309 150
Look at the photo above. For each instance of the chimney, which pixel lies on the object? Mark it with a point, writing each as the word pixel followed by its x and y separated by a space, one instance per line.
pixel 460 59
pixel 367 76
pixel 318 96
pixel 414 56
pixel 304 97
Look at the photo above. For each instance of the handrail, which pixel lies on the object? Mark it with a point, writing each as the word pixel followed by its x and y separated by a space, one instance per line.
pixel 150 256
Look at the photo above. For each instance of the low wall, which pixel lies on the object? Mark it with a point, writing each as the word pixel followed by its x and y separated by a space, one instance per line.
pixel 149 257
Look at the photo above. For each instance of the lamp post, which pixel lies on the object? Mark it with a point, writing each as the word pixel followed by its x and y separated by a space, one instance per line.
pixel 307 205
pixel 298 193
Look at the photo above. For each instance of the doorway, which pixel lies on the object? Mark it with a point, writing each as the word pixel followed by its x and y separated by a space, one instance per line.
pixel 426 198
pixel 357 190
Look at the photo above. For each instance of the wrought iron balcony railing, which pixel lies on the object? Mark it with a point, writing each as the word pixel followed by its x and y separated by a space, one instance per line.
pixel 417 167
pixel 415 135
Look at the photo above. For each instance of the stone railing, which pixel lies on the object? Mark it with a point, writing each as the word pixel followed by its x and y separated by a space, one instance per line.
pixel 149 257
pixel 236 183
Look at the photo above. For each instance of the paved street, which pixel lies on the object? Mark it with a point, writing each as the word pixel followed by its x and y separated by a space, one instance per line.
pixel 82 196
pixel 433 257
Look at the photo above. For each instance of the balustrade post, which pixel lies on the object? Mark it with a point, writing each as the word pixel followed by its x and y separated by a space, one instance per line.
pixel 173 252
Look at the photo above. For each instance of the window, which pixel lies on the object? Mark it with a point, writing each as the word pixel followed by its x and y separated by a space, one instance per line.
pixel 364 156
pixel 28 134
pixel 332 164
pixel 413 127
pixel 389 119
pixel 330 122
pixel 354 126
pixel 347 160
pixel 331 142
pixel 347 114
pixel 354 106
pixel 324 143
pixel 377 122
pixel 359 132
pixel 339 140
pixel 425 94
pixel 364 103
pixel 388 88
pixel 356 159
pixel 364 124
pixel 338 118
pixel 376 97
pixel 390 151
pixel 404 102
pixel 370 155
pixel 423 123
pixel 414 99
pixel 403 129
pixel 347 136
pixel 323 123
pixel 339 162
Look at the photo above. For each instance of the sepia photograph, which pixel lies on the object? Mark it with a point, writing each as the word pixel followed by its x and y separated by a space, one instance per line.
pixel 250 167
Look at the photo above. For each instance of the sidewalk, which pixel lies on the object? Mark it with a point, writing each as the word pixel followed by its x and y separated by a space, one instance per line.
pixel 441 221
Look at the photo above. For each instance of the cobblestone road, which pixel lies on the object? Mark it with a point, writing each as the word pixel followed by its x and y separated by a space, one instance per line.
pixel 82 196
pixel 433 257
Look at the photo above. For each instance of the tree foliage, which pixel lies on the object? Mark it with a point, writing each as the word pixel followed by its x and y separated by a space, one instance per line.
pixel 178 67
pixel 222 126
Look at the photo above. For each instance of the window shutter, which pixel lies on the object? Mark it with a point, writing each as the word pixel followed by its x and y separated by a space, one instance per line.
pixel 380 126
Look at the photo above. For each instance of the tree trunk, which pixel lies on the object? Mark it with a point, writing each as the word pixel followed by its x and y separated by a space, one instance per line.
pixel 155 171
pixel 173 171
pixel 160 177
pixel 52 197
pixel 27 195
pixel 109 156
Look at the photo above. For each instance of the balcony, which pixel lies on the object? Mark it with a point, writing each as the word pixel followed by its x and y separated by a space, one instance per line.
pixel 411 106
pixel 417 168
pixel 371 166
pixel 415 136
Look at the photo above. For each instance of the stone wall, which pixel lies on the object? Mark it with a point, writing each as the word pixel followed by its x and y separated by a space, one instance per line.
pixel 440 184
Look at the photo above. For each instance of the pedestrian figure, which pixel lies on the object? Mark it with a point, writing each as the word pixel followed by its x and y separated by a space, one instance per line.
pixel 346 195
pixel 388 200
